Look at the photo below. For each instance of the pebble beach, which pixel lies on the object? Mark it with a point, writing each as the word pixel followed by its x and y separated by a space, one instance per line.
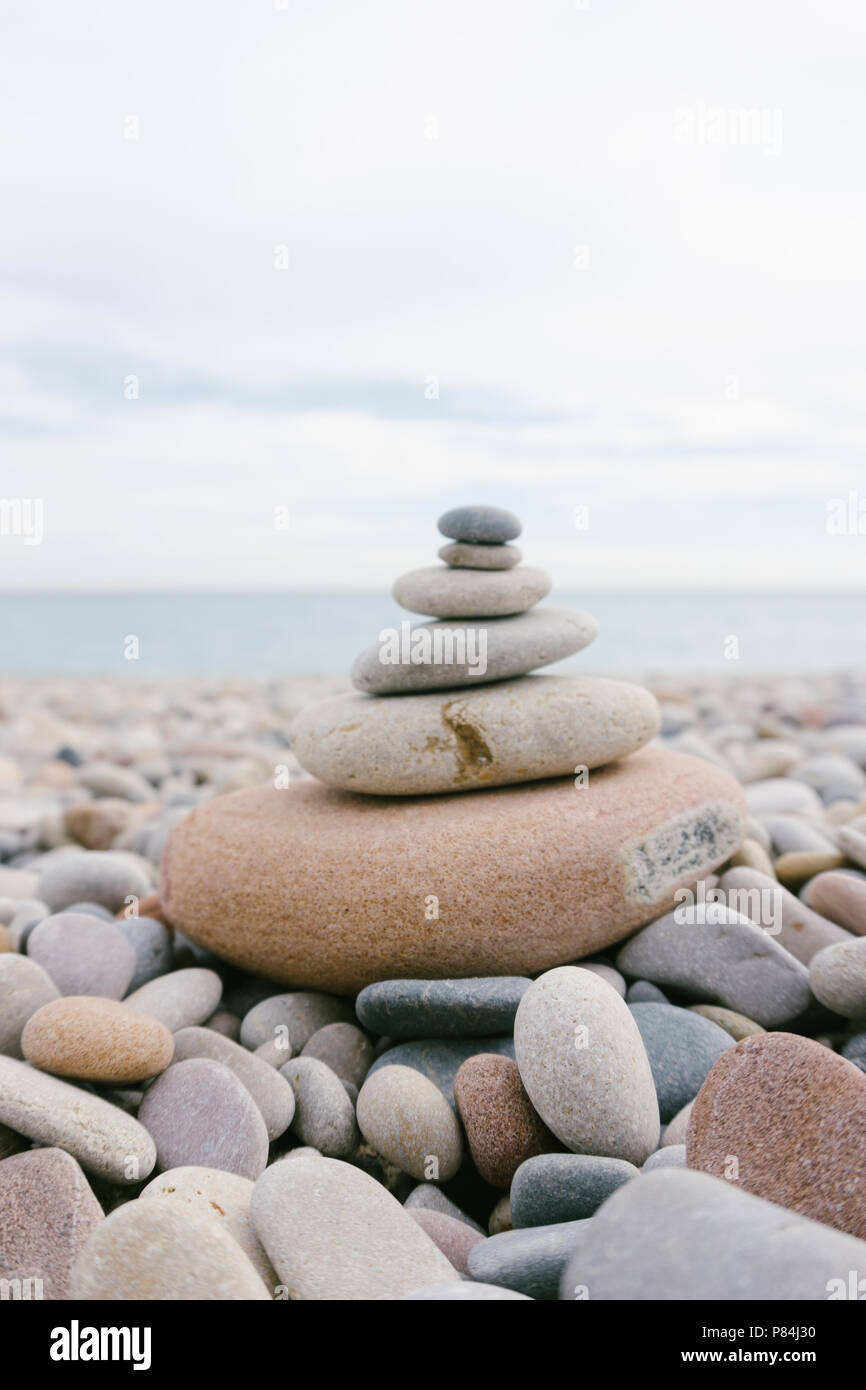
pixel 450 979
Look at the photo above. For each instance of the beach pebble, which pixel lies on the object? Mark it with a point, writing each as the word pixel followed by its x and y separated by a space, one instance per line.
pixel 99 824
pixel 226 1024
pixel 103 1138
pixel 675 1132
pixel 276 1051
pixel 271 1092
pixel 333 1232
pixel 751 855
pixel 480 525
pixel 513 646
pixel 803 932
pixel 651 1240
pixel 182 999
pixel 151 941
pixel 797 868
pixel 439 591
pixel 529 1261
pixel 343 1048
pixel 853 843
pixel 432 1198
pixel 794 835
pixel 681 1047
pixel 99 876
pixel 24 988
pixel 605 972
pixel 83 955
pixel 294 1017
pixel 324 1114
pixel 502 1127
pixel 480 557
pixel 442 1008
pixel 454 1238
pixel 18 883
pixel 814 1163
pixel 47 1212
pixel 833 775
pixel 670 1156
pixel 109 780
pixel 223 1197
pixel 96 1040
pixel 584 1065
pixel 782 795
pixel 200 1115
pixel 525 876
pixel 25 917
pixel 165 1251
pixel 499 1219
pixel 719 955
pixel 736 1024
pixel 407 1119
pixel 441 1059
pixel 838 977
pixel 564 1187
pixel 842 898
pixel 645 992
pixel 464 1292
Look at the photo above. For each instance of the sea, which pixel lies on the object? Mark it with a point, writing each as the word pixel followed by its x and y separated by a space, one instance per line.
pixel 270 634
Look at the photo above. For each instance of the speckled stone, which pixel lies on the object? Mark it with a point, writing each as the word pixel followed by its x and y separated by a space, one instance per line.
pixel 223 1197
pixel 431 1198
pixel 736 1024
pixel 530 1261
pixel 651 1240
pixel 525 876
pixel 842 898
pixel 480 525
pixel 515 646
pixel 803 932
pixel 498 735
pixel 564 1187
pixel 407 1119
pixel 103 1138
pixel 152 944
pixel 793 1113
pixel 24 988
pixel 98 876
pixel 271 1092
pixel 324 1113
pixel 464 1292
pixel 293 1018
pixel 83 955
pixel 584 1066
pixel 164 1251
pixel 343 1048
pixel 96 1040
pixel 182 999
pixel 481 1007
pixel 480 557
pixel 441 1059
pixel 720 956
pixel 200 1115
pixel 47 1212
pixel 838 977
pixel 454 1238
pixel 502 1127
pixel 333 1232
pixel 681 1047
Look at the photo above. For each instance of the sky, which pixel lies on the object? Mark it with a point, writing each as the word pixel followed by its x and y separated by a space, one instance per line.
pixel 285 279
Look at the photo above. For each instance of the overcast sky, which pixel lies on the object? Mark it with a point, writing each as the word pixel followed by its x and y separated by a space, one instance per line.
pixel 365 262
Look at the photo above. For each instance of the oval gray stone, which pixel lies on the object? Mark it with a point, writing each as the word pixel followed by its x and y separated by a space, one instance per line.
pixel 682 1048
pixel 803 932
pixel 480 525
pixel 200 1115
pixel 550 1188
pixel 465 1008
pixel 98 876
pixel 83 955
pixel 439 591
pixel 343 1048
pixel 24 988
pixel 151 941
pixel 271 1092
pixel 324 1113
pixel 296 1017
pixel 181 999
pixel 480 557
pixel 529 1261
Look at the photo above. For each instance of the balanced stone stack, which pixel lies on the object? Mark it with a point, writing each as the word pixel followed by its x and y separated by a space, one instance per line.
pixel 574 834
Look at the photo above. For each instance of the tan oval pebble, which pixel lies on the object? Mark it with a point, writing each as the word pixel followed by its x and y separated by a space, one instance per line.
pixel 47 1212
pixel 96 1040
pixel 200 1115
pixel 409 1121
pixel 271 1092
pixel 163 1251
pixel 224 1197
pixel 796 867
pixel 500 1217
pixel 103 1138
pixel 838 977
pixel 181 999
pixel 24 988
pixel 736 1024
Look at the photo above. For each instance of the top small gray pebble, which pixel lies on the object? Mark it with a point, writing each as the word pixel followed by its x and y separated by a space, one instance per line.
pixel 480 525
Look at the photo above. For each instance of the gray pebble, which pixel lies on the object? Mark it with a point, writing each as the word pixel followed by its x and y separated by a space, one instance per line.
pixel 24 988
pixel 324 1114
pixel 83 955
pixel 854 1050
pixel 671 1156
pixel 461 1008
pixel 645 992
pixel 529 1261
pixel 99 876
pixel 151 941
pixel 441 1059
pixel 682 1047
pixel 343 1048
pixel 200 1115
pixel 564 1187
pixel 431 1198
pixel 480 525
pixel 838 977
pixel 182 999
pixel 480 557
pixel 271 1092
pixel 295 1016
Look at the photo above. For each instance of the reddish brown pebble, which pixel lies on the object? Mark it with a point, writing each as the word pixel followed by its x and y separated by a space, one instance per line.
pixel 454 1238
pixel 47 1212
pixel 502 1127
pixel 783 1117
pixel 96 1039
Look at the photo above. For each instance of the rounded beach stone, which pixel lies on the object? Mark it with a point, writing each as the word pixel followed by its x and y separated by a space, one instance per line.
pixel 717 954
pixel 681 1047
pixel 784 796
pixel 556 1187
pixel 584 1066
pixel 343 1048
pixel 670 1156
pixel 480 525
pixel 511 647
pixel 96 1040
pixel 47 1212
pixel 529 1261
pixel 502 1128
pixel 324 1114
pixel 271 1092
pixel 604 972
pixel 431 1198
pixel 151 941
pixel 293 1018
pixel 454 1238
pixel 464 1292
pixel 842 898
pixel 333 1232
pixel 440 1059
pixel 793 1114
pixel 200 1115
pixel 795 869
pixel 651 1241
pixel 525 877
pixel 675 1132
pixel 838 977
pixel 24 988
pixel 803 931
pixel 182 999
pixel 98 876
pixel 480 1007
pixel 480 557
pixel 498 735
pixel 276 1052
pixel 499 1219
pixel 103 1138
pixel 853 843
pixel 407 1119
pixel 439 591
pixel 83 955
pixel 166 1252
pixel 645 992
pixel 736 1024
pixel 223 1197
